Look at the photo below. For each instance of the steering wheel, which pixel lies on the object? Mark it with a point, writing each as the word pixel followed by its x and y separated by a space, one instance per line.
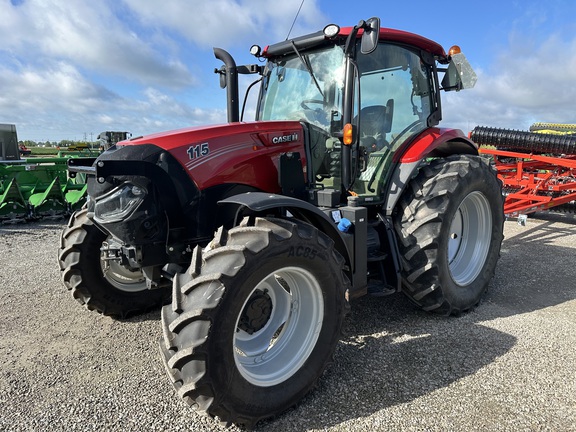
pixel 307 101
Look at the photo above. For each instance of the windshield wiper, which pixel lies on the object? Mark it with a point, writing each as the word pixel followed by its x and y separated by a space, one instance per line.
pixel 306 63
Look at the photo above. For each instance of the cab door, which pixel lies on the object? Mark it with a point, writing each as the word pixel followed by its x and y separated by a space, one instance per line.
pixel 392 107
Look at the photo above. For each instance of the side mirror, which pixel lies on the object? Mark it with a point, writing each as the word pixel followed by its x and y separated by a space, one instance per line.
pixel 223 78
pixel 370 35
pixel 459 75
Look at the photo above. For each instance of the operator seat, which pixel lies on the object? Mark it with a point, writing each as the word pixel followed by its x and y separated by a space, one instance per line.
pixel 375 123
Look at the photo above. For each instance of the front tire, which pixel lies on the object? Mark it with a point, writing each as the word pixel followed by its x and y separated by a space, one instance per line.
pixel 449 224
pixel 255 320
pixel 104 286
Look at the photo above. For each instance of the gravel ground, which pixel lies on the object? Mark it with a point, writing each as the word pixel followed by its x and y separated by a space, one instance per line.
pixel 509 365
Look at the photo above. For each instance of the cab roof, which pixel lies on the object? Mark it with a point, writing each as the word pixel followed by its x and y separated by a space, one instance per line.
pixel 386 34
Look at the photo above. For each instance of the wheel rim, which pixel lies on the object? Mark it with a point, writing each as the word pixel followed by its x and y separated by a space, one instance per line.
pixel 119 276
pixel 278 327
pixel 470 237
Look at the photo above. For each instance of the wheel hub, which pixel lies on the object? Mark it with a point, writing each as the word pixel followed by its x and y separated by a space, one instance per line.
pixel 278 326
pixel 117 274
pixel 256 313
pixel 469 238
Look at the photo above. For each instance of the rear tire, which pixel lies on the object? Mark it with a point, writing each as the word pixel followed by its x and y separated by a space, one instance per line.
pixel 255 320
pixel 449 224
pixel 102 286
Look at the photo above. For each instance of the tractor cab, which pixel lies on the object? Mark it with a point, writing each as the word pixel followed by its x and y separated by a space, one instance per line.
pixel 363 94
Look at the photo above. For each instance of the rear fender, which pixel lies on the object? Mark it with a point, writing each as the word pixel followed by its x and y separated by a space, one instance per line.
pixel 261 202
pixel 432 143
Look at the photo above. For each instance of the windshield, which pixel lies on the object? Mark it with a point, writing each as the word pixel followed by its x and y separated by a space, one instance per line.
pixel 392 99
pixel 306 87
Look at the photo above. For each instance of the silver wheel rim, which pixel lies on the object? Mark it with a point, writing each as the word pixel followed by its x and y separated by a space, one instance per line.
pixel 287 331
pixel 470 236
pixel 119 276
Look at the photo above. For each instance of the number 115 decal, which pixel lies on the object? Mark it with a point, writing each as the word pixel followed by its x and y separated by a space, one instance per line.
pixel 198 151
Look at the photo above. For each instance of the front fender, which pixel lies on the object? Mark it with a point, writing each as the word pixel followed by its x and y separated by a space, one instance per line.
pixel 259 202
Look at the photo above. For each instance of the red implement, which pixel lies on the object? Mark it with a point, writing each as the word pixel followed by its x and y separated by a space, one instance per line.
pixel 534 182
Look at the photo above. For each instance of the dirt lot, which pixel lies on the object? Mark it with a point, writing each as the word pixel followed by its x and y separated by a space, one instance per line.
pixel 509 365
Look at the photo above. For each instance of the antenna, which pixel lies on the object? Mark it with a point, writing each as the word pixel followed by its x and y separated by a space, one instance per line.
pixel 295 18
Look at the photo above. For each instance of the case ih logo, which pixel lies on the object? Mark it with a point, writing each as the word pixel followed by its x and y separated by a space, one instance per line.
pixel 285 138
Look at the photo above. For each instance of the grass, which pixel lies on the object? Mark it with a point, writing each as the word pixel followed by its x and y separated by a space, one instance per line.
pixel 44 151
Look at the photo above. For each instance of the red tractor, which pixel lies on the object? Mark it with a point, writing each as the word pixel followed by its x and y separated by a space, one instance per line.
pixel 262 232
pixel 24 151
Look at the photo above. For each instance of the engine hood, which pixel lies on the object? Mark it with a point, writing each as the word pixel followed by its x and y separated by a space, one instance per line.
pixel 179 137
pixel 240 153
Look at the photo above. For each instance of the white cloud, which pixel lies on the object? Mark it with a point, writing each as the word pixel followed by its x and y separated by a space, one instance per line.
pixel 58 103
pixel 89 34
pixel 56 86
pixel 230 22
pixel 530 81
pixel 76 65
pixel 71 65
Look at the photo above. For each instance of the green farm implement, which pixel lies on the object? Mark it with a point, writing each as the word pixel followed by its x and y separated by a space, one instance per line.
pixel 34 188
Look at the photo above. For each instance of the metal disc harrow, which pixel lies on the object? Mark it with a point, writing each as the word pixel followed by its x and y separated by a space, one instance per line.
pixel 538 169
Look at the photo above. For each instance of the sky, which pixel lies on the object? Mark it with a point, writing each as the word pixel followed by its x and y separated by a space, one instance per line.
pixel 70 69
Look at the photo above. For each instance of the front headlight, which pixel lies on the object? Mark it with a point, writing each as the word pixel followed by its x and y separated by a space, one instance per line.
pixel 119 203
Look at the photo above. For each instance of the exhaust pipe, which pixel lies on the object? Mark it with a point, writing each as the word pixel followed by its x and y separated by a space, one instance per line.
pixel 230 73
